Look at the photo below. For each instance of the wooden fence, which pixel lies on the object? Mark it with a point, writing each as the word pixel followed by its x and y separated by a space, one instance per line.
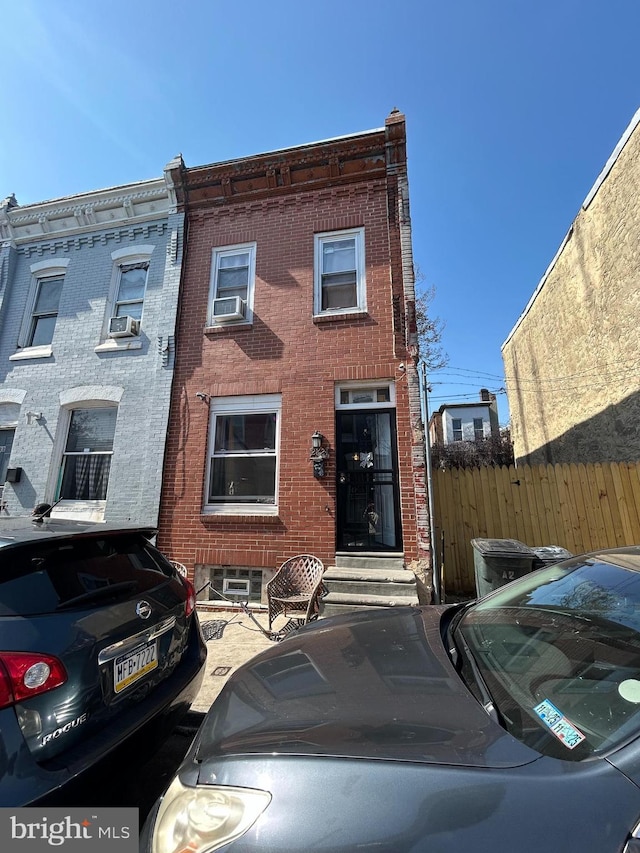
pixel 579 507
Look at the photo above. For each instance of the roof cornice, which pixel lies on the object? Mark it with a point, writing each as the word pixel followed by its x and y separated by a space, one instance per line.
pixel 71 215
pixel 333 162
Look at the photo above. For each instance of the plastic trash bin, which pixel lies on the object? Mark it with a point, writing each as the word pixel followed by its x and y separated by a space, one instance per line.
pixel 498 561
pixel 549 555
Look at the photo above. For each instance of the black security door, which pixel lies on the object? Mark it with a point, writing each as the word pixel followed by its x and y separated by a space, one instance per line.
pixel 367 470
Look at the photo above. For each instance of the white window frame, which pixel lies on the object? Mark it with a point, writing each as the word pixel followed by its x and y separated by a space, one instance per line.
pixel 41 270
pixel 242 405
pixel 217 254
pixel 80 397
pixel 361 288
pixel 369 385
pixel 139 254
pixel 454 430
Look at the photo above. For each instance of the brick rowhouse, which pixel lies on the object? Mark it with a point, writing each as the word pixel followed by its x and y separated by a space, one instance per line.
pixel 291 349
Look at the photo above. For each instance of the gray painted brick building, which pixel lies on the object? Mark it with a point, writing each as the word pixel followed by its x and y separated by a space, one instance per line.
pixel 88 300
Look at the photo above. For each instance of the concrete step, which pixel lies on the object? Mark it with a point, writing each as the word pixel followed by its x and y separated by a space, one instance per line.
pixel 343 602
pixel 371 574
pixel 370 560
pixel 366 586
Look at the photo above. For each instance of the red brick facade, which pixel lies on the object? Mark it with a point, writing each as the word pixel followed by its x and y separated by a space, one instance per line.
pixel 279 201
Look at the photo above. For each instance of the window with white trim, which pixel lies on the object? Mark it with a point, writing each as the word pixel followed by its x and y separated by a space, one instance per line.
pixel 339 279
pixel 478 429
pixel 131 288
pixel 456 426
pixel 45 311
pixel 43 302
pixel 86 460
pixel 233 270
pixel 244 438
pixel 127 291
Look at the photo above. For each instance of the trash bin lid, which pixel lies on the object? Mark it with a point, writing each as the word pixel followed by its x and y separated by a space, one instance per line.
pixel 502 548
pixel 552 553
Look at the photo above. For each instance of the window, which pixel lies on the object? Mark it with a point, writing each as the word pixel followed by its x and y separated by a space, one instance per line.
pixel 360 396
pixel 456 424
pixel 86 459
pixel 243 454
pixel 131 288
pixel 478 429
pixel 339 272
pixel 41 311
pixel 232 283
pixel 45 311
pixel 126 297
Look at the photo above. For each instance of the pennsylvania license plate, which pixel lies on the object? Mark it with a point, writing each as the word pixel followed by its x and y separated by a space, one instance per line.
pixel 130 667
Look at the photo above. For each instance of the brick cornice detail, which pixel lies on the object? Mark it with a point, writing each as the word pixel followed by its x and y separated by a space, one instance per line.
pixel 335 163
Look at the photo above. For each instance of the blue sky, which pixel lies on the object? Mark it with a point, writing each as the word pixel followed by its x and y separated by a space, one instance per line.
pixel 512 108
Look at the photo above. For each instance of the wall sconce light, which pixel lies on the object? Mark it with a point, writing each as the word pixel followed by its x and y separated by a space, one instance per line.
pixel 33 416
pixel 318 455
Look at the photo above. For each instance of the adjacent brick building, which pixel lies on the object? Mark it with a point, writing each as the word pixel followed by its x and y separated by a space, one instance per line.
pixel 296 328
pixel 572 361
pixel 88 300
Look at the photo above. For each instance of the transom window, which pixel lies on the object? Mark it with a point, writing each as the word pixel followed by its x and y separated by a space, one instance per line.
pixel 131 289
pixel 339 271
pixel 243 454
pixel 45 311
pixel 232 283
pixel 86 460
pixel 361 396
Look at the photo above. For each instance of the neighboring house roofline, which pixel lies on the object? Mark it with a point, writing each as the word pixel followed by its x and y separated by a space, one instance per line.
pixel 585 204
pixel 290 149
pixel 86 211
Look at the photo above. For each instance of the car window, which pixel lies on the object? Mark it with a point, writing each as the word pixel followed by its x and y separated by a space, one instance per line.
pixel 44 577
pixel 559 652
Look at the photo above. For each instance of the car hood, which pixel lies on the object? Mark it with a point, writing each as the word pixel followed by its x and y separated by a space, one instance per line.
pixel 377 684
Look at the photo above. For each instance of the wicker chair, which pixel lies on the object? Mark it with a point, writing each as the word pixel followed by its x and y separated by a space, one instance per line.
pixel 295 586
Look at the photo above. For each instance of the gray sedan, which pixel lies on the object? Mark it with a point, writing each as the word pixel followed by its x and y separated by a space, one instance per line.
pixel 509 724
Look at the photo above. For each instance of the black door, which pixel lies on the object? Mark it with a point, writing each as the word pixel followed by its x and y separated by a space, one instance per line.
pixel 367 470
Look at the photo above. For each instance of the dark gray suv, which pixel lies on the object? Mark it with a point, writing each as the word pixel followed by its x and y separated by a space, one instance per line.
pixel 98 637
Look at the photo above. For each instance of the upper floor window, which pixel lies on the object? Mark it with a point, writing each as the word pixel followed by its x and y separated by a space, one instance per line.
pixel 456 425
pixel 131 288
pixel 232 283
pixel 478 429
pixel 41 312
pixel 339 281
pixel 126 297
pixel 45 311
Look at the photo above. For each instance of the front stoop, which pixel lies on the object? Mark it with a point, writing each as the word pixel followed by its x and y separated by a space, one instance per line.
pixel 361 582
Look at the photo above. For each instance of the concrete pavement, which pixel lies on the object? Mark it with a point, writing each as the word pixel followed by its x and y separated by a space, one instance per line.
pixel 232 639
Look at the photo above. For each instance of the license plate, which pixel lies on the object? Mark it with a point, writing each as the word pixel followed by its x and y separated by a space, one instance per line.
pixel 133 665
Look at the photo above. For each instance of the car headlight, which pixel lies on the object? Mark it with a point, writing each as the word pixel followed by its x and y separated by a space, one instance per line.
pixel 204 818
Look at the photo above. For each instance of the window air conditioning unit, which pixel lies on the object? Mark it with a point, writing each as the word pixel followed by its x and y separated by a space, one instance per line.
pixel 229 308
pixel 123 327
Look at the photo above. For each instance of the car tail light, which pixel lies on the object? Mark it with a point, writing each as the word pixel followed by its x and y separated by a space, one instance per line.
pixel 190 603
pixel 25 674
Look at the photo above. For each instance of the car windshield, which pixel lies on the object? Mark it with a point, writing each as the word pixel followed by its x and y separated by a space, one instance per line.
pixel 558 653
